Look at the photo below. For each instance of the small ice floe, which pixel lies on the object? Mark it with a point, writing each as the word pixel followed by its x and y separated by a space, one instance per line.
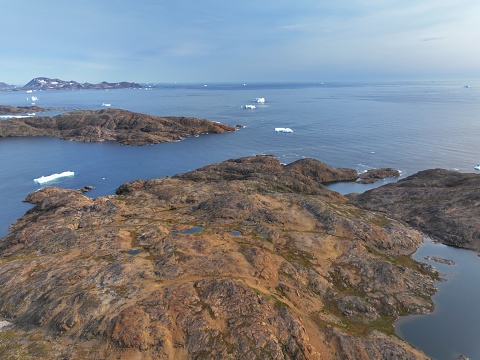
pixel 477 167
pixel 6 117
pixel 106 104
pixel 260 100
pixel 249 106
pixel 284 130
pixel 5 325
pixel 44 179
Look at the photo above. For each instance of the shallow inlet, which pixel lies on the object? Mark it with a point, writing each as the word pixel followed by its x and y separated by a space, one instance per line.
pixel 453 328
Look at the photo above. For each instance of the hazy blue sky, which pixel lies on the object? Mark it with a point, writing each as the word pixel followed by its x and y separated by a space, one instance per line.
pixel 240 41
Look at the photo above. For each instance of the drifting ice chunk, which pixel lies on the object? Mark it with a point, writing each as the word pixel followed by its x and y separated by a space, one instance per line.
pixel 15 116
pixel 477 167
pixel 260 100
pixel 44 179
pixel 284 130
pixel 249 106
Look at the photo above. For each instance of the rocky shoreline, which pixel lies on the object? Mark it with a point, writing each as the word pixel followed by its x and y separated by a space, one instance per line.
pixel 246 258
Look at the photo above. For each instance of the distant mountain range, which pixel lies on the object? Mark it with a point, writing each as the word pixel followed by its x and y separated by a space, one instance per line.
pixel 4 86
pixel 43 83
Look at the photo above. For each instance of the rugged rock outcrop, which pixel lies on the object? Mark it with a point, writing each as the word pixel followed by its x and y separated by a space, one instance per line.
pixel 246 259
pixel 442 203
pixel 374 175
pixel 306 174
pixel 126 127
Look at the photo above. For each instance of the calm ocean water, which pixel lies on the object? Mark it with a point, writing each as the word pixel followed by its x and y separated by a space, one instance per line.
pixel 409 126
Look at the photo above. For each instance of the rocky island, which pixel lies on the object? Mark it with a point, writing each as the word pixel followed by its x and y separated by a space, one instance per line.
pixel 11 110
pixel 125 127
pixel 247 259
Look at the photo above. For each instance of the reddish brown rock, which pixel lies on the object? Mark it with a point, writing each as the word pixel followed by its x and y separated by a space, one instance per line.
pixel 305 276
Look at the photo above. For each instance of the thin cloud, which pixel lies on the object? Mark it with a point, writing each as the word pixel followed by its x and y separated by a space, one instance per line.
pixel 292 27
pixel 435 38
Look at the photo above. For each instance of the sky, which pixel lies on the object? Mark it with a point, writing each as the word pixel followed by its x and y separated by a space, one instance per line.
pixel 239 41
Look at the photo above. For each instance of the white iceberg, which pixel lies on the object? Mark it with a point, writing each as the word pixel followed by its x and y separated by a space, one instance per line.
pixel 249 106
pixel 284 130
pixel 5 325
pixel 6 117
pixel 477 167
pixel 260 100
pixel 44 179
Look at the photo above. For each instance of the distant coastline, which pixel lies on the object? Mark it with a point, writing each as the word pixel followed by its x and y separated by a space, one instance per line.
pixel 44 83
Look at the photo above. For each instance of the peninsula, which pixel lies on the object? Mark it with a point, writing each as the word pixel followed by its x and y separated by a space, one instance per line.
pixel 125 127
pixel 444 204
pixel 247 258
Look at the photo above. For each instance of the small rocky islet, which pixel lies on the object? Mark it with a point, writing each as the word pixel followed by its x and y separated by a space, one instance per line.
pixel 281 267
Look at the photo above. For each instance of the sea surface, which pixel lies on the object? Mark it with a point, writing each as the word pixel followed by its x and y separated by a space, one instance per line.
pixel 410 126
